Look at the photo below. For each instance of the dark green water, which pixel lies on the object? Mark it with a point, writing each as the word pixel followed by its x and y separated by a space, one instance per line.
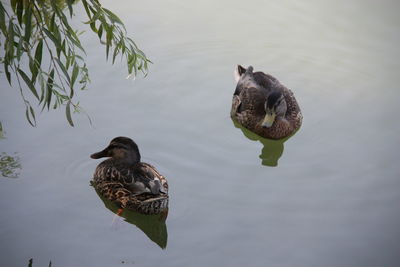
pixel 331 200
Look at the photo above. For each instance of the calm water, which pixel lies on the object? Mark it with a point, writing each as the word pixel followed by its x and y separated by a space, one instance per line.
pixel 331 200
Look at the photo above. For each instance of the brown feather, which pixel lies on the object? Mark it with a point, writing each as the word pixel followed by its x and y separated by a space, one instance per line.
pixel 248 109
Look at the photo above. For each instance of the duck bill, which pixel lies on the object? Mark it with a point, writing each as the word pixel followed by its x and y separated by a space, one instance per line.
pixel 268 120
pixel 101 154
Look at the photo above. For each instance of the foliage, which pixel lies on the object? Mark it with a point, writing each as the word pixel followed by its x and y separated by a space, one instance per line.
pixel 43 53
pixel 9 166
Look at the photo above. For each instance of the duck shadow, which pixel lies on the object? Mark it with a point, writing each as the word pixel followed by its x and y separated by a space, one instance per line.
pixel 272 149
pixel 153 226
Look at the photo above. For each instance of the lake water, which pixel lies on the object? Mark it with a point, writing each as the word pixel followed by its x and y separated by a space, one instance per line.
pixel 328 196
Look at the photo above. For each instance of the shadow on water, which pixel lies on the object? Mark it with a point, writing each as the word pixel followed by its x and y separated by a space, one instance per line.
pixel 272 149
pixel 9 165
pixel 153 226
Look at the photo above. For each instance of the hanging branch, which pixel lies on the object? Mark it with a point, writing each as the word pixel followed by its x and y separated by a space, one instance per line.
pixel 37 30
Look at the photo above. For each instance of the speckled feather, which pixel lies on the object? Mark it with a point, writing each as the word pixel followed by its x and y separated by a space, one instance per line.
pixel 114 181
pixel 248 108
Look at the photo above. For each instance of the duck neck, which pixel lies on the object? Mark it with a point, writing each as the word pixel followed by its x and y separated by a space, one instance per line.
pixel 127 157
pixel 132 157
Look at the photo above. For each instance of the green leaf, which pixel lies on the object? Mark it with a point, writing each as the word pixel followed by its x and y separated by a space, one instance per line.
pixel 33 123
pixel 56 42
pixel 50 82
pixel 42 91
pixel 10 44
pixel 68 114
pixel 64 70
pixel 85 5
pixel 62 16
pixel 52 22
pixel 14 4
pixel 33 68
pixel 28 83
pixel 28 23
pixel 114 18
pixel 20 50
pixel 116 50
pixel 32 113
pixel 100 31
pixel 20 9
pixel 61 49
pixel 73 37
pixel 109 36
pixel 3 26
pixel 94 18
pixel 75 73
pixel 38 53
pixel 69 3
pixel 93 26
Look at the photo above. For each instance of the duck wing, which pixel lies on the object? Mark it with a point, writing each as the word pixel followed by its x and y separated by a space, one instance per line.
pixel 140 178
pixel 148 180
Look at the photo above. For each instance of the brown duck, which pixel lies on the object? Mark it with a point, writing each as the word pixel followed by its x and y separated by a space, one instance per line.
pixel 263 105
pixel 132 184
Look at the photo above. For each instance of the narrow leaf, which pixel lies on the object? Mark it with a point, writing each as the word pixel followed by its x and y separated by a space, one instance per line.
pixel 75 73
pixel 71 35
pixel 56 42
pixel 32 113
pixel 116 50
pixel 28 83
pixel 64 70
pixel 109 34
pixel 8 74
pixel 69 3
pixel 33 68
pixel 50 82
pixel 14 5
pixel 28 117
pixel 19 48
pixel 52 22
pixel 113 17
pixel 94 18
pixel 10 44
pixel 38 53
pixel 85 5
pixel 20 9
pixel 42 90
pixel 93 26
pixel 3 26
pixel 28 23
pixel 100 31
pixel 68 114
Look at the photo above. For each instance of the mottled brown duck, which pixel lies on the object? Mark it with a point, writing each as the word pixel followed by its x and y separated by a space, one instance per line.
pixel 125 180
pixel 263 105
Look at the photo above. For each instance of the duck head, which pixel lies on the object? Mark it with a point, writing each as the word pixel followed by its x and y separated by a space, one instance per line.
pixel 122 149
pixel 275 106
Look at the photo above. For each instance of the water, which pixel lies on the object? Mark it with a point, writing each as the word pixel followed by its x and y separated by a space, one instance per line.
pixel 332 198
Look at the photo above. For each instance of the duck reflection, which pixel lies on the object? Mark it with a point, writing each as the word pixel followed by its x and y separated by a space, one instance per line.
pixel 272 149
pixel 153 226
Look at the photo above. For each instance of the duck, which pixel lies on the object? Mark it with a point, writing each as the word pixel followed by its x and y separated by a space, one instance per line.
pixel 263 105
pixel 125 180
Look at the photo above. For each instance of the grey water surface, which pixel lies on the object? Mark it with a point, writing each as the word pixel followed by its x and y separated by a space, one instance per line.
pixel 328 196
